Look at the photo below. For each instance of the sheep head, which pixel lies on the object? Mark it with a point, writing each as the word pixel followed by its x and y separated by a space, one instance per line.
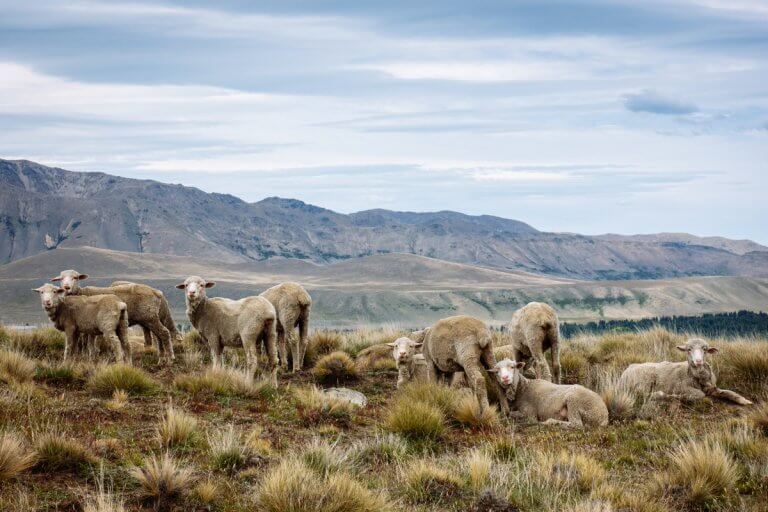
pixel 50 296
pixel 508 373
pixel 696 350
pixel 403 349
pixel 70 280
pixel 194 288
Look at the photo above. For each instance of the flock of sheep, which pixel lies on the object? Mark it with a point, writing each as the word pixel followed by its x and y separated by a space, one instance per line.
pixel 458 349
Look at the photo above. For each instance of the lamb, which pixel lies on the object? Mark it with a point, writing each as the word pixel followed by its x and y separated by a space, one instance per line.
pixel 292 304
pixel 690 380
pixel 145 305
pixel 404 351
pixel 101 315
pixel 165 318
pixel 456 344
pixel 533 329
pixel 225 322
pixel 542 401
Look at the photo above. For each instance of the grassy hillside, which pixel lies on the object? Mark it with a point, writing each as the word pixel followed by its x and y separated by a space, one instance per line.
pixel 68 440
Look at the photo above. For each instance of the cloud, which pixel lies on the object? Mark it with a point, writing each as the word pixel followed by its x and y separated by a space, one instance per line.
pixel 655 103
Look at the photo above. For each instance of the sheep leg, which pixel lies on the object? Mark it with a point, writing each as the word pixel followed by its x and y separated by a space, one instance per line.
pixel 157 328
pixel 303 332
pixel 554 353
pixel 295 351
pixel 559 423
pixel 117 347
pixel 489 361
pixel 122 337
pixel 282 348
pixel 477 382
pixel 148 339
pixel 216 349
pixel 540 363
pixel 574 416
pixel 269 336
pixel 732 396
pixel 403 375
pixel 251 351
pixel 70 341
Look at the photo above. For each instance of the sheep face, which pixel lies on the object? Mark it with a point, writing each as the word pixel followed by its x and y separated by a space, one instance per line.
pixel 50 296
pixel 696 349
pixel 70 280
pixel 194 288
pixel 508 372
pixel 403 349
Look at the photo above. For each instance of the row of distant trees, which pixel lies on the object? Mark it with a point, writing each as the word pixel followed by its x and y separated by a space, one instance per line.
pixel 739 323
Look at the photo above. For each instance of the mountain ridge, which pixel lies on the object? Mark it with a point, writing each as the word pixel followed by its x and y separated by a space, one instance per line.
pixel 44 208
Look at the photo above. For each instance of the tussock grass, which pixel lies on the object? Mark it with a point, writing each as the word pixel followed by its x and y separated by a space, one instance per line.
pixel 16 367
pixel 426 482
pixel 227 448
pixel 314 407
pixel 38 343
pixel 109 378
pixel 325 457
pixel 380 449
pixel 467 412
pixel 431 393
pixel 573 365
pixel 704 471
pixel 335 368
pixel 415 420
pixel 478 464
pixel 619 400
pixel 62 374
pixel 375 358
pixel 567 470
pixel 224 381
pixel 743 365
pixel 742 442
pixel 206 492
pixel 292 486
pixel 758 417
pixel 104 502
pixel 14 456
pixel 257 445
pixel 591 506
pixel 118 401
pixel 57 452
pixel 360 339
pixel 162 479
pixel 177 428
pixel 321 343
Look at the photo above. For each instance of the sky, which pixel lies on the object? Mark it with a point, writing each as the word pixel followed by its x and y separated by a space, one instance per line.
pixel 586 116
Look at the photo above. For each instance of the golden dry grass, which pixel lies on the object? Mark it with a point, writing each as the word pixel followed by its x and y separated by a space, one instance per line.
pixel 15 457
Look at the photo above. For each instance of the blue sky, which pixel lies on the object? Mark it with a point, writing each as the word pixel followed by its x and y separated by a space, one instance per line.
pixel 589 116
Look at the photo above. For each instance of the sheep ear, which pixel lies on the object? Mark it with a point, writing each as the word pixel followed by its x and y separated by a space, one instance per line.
pixel 38 290
pixel 81 277
pixel 181 286
pixel 682 348
pixel 493 370
pixel 712 350
pixel 419 344
pixel 60 291
pixel 56 279
pixel 210 284
pixel 393 344
pixel 520 365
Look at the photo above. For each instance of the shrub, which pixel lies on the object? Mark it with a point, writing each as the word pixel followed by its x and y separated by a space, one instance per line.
pixel 292 486
pixel 110 378
pixel 467 412
pixel 56 452
pixel 177 428
pixel 418 420
pixel 704 469
pixel 225 381
pixel 321 343
pixel 381 449
pixel 15 367
pixel 162 479
pixel 313 406
pixel 425 482
pixel 228 451
pixel 335 368
pixel 14 457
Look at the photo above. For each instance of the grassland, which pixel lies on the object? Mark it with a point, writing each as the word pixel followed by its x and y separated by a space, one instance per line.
pixel 105 438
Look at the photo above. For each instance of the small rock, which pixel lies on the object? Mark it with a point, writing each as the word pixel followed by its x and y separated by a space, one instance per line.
pixel 350 395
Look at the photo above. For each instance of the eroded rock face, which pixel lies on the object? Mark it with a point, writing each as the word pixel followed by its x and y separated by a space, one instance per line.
pixel 350 395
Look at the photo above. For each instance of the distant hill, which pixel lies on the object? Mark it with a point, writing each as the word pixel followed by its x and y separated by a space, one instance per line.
pixel 44 208
pixel 400 289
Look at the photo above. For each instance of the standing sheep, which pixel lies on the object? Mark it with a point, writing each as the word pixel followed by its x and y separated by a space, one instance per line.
pixel 456 344
pixel 553 404
pixel 165 318
pixel 404 351
pixel 101 315
pixel 690 380
pixel 534 328
pixel 144 305
pixel 232 323
pixel 292 304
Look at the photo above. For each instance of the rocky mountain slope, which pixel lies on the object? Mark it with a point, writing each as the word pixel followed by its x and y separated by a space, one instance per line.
pixel 44 208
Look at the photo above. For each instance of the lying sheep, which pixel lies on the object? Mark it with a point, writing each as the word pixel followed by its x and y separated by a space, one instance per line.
pixel 144 303
pixel 232 323
pixel 101 315
pixel 404 351
pixel 374 357
pixel 292 304
pixel 542 401
pixel 689 381
pixel 456 344
pixel 165 318
pixel 534 329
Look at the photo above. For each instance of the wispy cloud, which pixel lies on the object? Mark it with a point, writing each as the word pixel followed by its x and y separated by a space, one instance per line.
pixel 655 103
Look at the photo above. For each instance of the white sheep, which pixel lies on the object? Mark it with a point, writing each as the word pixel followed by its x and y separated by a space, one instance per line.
pixel 404 351
pixel 539 400
pixel 690 380
pixel 221 322
pixel 292 304
pixel 533 330
pixel 100 315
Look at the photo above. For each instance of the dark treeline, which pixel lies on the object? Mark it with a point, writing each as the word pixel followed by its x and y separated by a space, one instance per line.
pixel 740 323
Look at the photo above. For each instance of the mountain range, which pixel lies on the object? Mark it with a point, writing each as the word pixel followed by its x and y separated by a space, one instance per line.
pixel 45 209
